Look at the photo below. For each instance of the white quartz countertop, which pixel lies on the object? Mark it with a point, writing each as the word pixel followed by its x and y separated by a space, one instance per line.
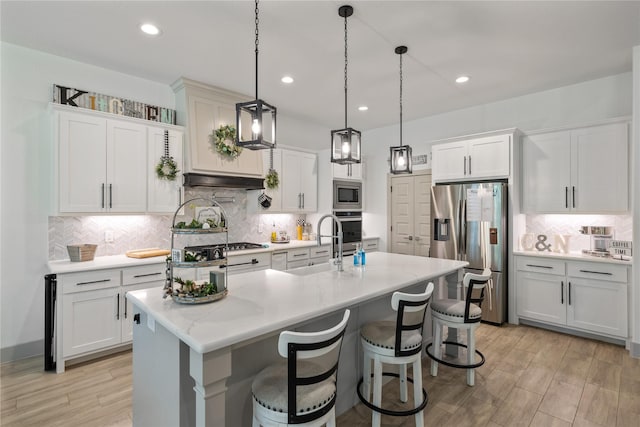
pixel 268 301
pixel 573 256
pixel 101 263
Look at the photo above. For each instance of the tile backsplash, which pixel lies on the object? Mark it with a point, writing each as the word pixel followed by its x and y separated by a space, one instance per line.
pixel 550 225
pixel 148 231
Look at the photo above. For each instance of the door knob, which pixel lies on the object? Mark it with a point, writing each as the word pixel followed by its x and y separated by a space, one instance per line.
pixel 417 238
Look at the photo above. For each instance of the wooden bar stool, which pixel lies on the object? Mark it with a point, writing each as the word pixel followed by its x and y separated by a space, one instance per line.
pixel 302 389
pixel 397 343
pixel 462 315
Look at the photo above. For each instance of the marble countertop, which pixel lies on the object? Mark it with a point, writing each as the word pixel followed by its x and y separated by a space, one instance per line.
pixel 574 256
pixel 268 301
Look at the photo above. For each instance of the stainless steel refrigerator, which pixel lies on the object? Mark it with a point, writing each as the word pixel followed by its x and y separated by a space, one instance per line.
pixel 470 224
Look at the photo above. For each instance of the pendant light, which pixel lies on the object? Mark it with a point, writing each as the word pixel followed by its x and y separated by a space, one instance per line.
pixel 345 143
pixel 401 154
pixel 258 117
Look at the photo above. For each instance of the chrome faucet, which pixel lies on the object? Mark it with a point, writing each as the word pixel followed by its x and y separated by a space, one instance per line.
pixel 338 262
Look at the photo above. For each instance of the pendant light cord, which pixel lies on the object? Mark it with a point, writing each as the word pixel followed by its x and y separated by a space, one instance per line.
pixel 257 33
pixel 345 71
pixel 401 100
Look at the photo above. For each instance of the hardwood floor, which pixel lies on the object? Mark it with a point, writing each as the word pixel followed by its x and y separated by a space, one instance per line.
pixel 532 377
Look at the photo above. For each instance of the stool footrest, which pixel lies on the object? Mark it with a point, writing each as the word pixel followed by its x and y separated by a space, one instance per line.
pixel 389 411
pixel 455 365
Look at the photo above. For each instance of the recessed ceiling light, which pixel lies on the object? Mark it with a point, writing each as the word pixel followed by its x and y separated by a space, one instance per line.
pixel 150 29
pixel 363 108
pixel 287 79
pixel 462 79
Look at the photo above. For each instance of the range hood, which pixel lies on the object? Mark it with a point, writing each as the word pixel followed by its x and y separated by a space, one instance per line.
pixel 222 181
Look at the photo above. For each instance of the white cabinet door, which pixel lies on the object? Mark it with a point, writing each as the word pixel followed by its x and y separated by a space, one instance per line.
pixel 599 169
pixel 546 173
pixel 126 308
pixel 353 171
pixel 126 167
pixel 597 306
pixel 82 163
pixel 488 157
pixel 541 297
pixel 163 196
pixel 299 181
pixel 449 161
pixel 91 321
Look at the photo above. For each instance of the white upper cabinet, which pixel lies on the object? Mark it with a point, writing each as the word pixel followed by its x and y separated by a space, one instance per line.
pixel 299 181
pixel 107 165
pixel 205 109
pixel 102 164
pixel 580 170
pixel 353 171
pixel 163 196
pixel 484 157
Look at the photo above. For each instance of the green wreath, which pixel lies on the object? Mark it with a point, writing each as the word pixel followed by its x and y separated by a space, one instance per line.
pixel 219 140
pixel 272 180
pixel 167 168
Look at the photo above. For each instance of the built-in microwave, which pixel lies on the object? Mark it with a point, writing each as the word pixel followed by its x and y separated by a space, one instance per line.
pixel 347 195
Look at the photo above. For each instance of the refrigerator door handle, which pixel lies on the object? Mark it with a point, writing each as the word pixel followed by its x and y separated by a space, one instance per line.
pixel 463 228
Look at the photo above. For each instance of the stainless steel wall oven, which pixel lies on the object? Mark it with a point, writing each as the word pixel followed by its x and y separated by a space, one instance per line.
pixel 351 230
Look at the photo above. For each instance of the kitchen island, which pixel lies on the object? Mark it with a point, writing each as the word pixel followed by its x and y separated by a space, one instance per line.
pixel 193 364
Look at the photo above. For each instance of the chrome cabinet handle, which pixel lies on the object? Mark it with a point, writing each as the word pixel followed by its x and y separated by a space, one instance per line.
pixel 322 252
pixel 566 197
pixel 539 266
pixel 573 190
pixel 124 299
pixel 561 292
pixel 297 255
pixel 146 275
pixel 92 282
pixel 464 161
pixel 118 306
pixel 569 293
pixel 469 165
pixel 110 196
pixel 102 192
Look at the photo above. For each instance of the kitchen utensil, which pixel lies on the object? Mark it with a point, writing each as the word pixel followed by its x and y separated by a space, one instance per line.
pixel 264 200
pixel 147 252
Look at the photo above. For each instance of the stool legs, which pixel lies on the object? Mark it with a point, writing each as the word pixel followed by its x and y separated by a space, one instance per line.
pixel 377 391
pixel 471 355
pixel 437 346
pixel 417 390
pixel 403 383
pixel 366 377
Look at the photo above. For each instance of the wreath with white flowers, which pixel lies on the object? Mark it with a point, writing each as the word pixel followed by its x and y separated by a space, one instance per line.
pixel 223 140
pixel 167 168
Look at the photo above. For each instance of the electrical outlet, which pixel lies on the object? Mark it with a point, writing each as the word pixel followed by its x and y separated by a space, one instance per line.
pixel 108 236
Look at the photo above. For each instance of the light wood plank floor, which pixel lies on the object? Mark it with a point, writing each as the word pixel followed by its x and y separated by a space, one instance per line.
pixel 532 377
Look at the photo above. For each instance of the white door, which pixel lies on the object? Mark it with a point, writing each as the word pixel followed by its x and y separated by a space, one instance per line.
pixel 449 161
pixel 422 214
pixel 599 169
pixel 91 320
pixel 546 172
pixel 541 297
pixel 309 181
pixel 126 167
pixel 488 157
pixel 402 214
pixel 163 196
pixel 82 165
pixel 290 181
pixel 597 306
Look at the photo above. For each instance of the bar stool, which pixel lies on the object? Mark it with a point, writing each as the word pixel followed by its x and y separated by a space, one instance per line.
pixel 462 315
pixel 300 390
pixel 396 342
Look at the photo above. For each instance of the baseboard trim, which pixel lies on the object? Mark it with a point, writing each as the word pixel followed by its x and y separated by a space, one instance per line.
pixel 22 351
pixel 617 341
pixel 634 349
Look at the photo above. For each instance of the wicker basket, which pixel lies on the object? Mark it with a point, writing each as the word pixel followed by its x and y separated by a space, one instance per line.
pixel 84 252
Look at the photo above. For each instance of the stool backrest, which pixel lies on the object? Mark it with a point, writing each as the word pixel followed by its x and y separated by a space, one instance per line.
pixel 475 285
pixel 411 310
pixel 322 348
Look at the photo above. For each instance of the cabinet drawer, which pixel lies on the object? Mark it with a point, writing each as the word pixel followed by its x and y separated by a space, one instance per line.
pixel 297 264
pixel 297 255
pixel 598 271
pixel 143 274
pixel 249 262
pixel 89 280
pixel 370 245
pixel 320 252
pixel 541 265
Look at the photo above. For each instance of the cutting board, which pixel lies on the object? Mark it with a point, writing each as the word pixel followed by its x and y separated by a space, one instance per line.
pixel 146 253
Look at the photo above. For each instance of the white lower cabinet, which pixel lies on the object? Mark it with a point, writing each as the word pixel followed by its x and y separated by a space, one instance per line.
pixel 93 312
pixel 319 254
pixel 581 295
pixel 300 257
pixel 370 245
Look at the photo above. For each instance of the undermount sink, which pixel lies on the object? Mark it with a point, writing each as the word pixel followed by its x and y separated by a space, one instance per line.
pixel 314 269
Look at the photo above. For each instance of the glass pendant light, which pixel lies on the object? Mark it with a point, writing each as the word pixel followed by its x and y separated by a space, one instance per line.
pixel 401 154
pixel 256 120
pixel 345 143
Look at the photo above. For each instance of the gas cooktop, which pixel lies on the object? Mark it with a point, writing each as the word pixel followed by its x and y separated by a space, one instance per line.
pixel 237 246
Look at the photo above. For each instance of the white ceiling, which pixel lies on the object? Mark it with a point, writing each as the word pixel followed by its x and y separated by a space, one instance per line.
pixel 508 48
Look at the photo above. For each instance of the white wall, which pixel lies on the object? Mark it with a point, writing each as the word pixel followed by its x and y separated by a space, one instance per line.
pixel 635 188
pixel 27 77
pixel 570 105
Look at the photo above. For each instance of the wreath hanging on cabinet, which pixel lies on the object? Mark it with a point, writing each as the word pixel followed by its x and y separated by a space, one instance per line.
pixel 223 140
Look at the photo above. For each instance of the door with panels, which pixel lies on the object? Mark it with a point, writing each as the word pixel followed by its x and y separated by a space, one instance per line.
pixel 410 210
